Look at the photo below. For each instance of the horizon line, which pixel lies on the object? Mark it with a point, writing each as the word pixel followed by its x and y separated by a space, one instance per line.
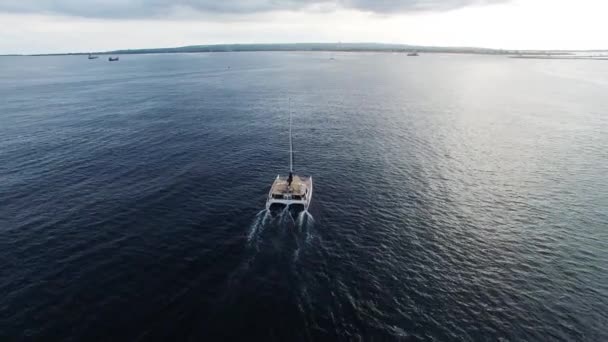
pixel 388 47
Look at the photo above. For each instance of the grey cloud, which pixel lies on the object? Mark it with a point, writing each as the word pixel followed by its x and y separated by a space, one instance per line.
pixel 160 8
pixel 389 6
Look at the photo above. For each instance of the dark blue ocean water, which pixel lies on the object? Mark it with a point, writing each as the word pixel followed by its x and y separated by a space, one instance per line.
pixel 456 198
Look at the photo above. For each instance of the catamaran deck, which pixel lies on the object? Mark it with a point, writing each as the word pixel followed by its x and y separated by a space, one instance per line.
pixel 298 187
pixel 299 192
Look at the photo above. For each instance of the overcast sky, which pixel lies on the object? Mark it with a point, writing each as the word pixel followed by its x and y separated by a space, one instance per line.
pixel 40 26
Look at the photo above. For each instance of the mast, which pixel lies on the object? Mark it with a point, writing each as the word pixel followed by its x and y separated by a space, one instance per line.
pixel 290 142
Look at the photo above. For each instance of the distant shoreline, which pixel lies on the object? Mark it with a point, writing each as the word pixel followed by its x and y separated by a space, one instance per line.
pixel 599 58
pixel 326 47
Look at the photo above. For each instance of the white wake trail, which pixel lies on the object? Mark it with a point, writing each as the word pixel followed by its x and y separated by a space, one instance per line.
pixel 257 225
pixel 305 222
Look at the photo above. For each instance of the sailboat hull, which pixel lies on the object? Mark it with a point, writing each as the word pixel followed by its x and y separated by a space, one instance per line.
pixel 293 190
pixel 298 193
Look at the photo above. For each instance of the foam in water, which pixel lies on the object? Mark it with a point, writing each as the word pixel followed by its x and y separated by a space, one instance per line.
pixel 305 222
pixel 258 224
pixel 284 221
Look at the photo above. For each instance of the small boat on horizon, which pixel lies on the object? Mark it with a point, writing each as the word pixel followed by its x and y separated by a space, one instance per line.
pixel 113 59
pixel 92 56
pixel 291 190
pixel 413 54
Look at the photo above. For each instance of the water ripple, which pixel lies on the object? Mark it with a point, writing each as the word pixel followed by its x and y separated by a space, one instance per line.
pixel 444 209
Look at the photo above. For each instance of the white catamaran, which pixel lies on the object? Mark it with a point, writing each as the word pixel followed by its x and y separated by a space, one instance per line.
pixel 290 190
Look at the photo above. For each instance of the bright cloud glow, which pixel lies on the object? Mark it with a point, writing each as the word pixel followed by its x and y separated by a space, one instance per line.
pixel 517 24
